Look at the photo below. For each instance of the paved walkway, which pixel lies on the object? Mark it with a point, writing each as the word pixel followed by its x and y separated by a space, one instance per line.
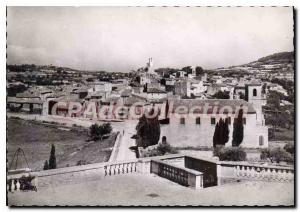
pixel 123 152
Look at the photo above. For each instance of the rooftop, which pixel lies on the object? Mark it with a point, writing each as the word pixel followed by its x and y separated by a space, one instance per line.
pixel 234 104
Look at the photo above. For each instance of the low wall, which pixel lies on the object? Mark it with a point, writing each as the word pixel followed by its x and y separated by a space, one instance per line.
pixel 180 175
pixel 228 171
pixel 96 171
pixel 186 170
pixel 207 167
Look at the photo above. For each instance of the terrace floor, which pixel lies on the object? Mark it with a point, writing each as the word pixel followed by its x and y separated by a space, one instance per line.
pixel 151 190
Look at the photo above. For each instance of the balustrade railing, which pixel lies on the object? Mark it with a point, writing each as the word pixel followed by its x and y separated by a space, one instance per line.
pixel 18 183
pixel 264 173
pixel 120 168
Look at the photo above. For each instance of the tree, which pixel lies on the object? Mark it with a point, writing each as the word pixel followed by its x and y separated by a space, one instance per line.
pixel 221 134
pixel 148 131
pixel 238 129
pixel 216 135
pixel 106 128
pixel 98 131
pixel 46 165
pixel 290 148
pixel 226 131
pixel 52 159
pixel 221 95
pixel 199 71
pixel 163 81
pixel 276 155
pixel 145 88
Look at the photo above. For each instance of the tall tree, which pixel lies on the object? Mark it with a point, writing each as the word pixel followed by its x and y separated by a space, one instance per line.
pixel 221 134
pixel 226 131
pixel 238 129
pixel 216 135
pixel 52 159
pixel 148 131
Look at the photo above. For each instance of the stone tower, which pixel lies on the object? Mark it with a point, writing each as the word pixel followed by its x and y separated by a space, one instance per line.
pixel 150 66
pixel 253 95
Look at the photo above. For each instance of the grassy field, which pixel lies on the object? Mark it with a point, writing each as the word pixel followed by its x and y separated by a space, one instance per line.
pixel 36 138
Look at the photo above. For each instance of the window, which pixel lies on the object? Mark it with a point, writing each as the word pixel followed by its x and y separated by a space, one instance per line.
pixel 261 140
pixel 182 120
pixel 244 121
pixel 213 121
pixel 254 92
pixel 198 121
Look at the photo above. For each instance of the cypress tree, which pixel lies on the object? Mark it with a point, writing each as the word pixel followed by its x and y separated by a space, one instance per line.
pixel 52 159
pixel 46 165
pixel 226 131
pixel 221 132
pixel 216 135
pixel 238 129
pixel 148 131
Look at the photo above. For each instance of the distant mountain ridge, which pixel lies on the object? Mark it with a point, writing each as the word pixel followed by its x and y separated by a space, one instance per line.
pixel 277 62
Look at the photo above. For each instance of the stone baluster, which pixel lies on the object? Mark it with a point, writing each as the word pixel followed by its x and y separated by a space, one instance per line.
pixel 122 166
pixel 105 170
pixel 135 165
pixel 258 173
pixel 274 174
pixel 253 172
pixel 268 174
pixel 248 171
pixel 16 184
pixel 243 171
pixel 238 171
pixel 119 168
pixel 290 175
pixel 114 169
pixel 280 175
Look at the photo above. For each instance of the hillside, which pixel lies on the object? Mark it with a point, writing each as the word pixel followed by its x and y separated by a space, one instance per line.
pixel 275 63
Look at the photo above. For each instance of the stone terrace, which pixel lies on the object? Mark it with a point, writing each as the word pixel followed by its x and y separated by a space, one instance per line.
pixel 152 190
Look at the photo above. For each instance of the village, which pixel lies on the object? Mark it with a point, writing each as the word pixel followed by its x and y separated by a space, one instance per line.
pixel 150 106
pixel 191 103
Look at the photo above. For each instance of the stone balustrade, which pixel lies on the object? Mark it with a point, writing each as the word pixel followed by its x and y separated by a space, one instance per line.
pixel 240 170
pixel 264 173
pixel 120 168
pixel 185 170
pixel 14 183
pixel 180 175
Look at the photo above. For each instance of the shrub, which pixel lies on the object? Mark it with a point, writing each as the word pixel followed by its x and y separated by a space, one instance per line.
pixel 290 148
pixel 230 153
pixel 164 148
pixel 161 149
pixel 276 155
pixel 98 131
pixel 46 165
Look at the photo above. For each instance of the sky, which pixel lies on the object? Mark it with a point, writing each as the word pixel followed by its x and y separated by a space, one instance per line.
pixel 123 38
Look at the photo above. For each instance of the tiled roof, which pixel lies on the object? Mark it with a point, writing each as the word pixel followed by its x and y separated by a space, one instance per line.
pixel 155 90
pixel 24 100
pixel 211 104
